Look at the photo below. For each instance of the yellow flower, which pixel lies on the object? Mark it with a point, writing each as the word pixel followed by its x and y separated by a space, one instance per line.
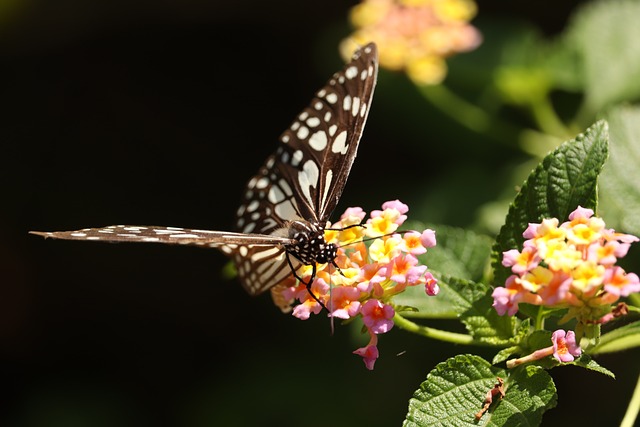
pixel 414 35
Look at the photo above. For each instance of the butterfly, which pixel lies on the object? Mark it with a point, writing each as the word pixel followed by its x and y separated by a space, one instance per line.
pixel 286 205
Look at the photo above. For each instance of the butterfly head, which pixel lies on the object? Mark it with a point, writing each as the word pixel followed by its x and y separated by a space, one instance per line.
pixel 311 246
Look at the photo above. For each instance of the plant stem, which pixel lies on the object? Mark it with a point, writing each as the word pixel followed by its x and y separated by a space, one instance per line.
pixel 437 334
pixel 469 115
pixel 633 409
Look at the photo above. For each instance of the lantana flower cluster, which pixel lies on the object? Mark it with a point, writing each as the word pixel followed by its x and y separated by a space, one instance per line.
pixel 375 263
pixel 571 265
pixel 414 35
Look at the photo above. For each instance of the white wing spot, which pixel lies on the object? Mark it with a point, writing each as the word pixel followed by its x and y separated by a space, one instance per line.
pixel 318 140
pixel 285 211
pixel 332 98
pixel 321 93
pixel 297 157
pixel 346 103
pixel 264 254
pixel 285 138
pixel 303 132
pixel 313 122
pixel 79 234
pixel 332 130
pixel 308 177
pixel 284 158
pixel 327 184
pixel 275 195
pixel 93 238
pixel 249 227
pixel 363 110
pixel 351 72
pixel 295 126
pixel 318 105
pixel 303 116
pixel 262 183
pixel 356 106
pixel 285 187
pixel 339 144
pixel 327 116
pixel 253 206
pixel 270 162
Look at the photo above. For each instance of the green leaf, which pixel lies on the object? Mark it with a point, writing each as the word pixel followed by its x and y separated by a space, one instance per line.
pixel 459 253
pixel 452 393
pixel 619 339
pixel 530 392
pixel 563 180
pixel 585 361
pixel 468 300
pixel 482 320
pixel 442 306
pixel 619 184
pixel 455 390
pixel 606 34
pixel 505 353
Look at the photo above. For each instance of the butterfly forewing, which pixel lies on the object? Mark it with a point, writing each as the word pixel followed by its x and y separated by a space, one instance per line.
pixel 168 235
pixel 318 149
pixel 302 181
pixel 304 178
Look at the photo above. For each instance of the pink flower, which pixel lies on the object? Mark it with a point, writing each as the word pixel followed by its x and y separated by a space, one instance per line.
pixel 344 302
pixel 377 316
pixel 353 212
pixel 505 300
pixel 431 285
pixel 564 346
pixel 397 205
pixel 581 213
pixel 428 238
pixel 413 243
pixel 620 283
pixel 369 353
pixel 521 262
pixel 308 304
pixel 402 269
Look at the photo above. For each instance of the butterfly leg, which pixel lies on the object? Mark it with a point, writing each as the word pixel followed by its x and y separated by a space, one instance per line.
pixel 309 283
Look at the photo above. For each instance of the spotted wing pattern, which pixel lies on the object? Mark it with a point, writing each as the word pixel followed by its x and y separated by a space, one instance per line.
pixel 302 182
pixel 304 178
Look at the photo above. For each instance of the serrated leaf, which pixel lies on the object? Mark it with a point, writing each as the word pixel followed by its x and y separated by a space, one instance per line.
pixel 505 353
pixel 619 184
pixel 481 319
pixel 619 339
pixel 530 392
pixel 455 297
pixel 585 361
pixel 563 180
pixel 459 253
pixel 452 393
pixel 442 306
pixel 455 390
pixel 605 33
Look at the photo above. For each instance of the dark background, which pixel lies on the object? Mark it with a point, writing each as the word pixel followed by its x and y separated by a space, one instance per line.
pixel 158 113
